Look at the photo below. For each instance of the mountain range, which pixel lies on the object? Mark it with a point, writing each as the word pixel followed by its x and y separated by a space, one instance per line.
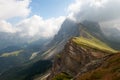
pixel 76 51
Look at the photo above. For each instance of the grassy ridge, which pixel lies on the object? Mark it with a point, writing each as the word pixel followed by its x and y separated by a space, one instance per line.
pixel 92 42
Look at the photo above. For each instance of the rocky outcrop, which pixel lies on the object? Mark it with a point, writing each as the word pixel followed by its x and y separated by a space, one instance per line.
pixel 109 70
pixel 76 60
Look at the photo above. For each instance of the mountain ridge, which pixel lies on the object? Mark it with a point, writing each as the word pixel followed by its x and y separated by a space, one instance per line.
pixel 79 57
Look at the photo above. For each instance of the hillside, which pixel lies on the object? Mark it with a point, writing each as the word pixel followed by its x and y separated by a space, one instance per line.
pixel 27 71
pixel 89 41
pixel 109 70
pixel 80 55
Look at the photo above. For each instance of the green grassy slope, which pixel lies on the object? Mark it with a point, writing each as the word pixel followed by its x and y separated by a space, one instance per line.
pixel 92 42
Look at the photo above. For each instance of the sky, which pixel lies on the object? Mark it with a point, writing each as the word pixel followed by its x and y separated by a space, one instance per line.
pixel 33 18
pixel 43 18
pixel 49 8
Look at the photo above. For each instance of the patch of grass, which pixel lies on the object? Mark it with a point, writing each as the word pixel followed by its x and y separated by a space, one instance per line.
pixel 62 76
pixel 15 53
pixel 94 43
pixel 58 56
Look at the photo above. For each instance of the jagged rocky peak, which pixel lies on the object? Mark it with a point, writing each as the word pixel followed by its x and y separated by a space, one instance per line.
pixel 80 54
pixel 68 28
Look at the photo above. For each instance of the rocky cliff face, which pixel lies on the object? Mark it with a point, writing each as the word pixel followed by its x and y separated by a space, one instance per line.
pixel 75 60
pixel 109 70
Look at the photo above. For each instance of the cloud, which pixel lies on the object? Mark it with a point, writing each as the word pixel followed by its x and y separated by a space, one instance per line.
pixel 113 25
pixel 6 27
pixel 94 10
pixel 105 12
pixel 37 26
pixel 34 26
pixel 14 8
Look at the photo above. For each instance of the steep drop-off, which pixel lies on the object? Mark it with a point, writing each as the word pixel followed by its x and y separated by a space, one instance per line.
pixel 80 55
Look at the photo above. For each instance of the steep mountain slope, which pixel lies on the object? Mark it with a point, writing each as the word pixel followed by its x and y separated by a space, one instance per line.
pixel 109 70
pixel 68 29
pixel 80 55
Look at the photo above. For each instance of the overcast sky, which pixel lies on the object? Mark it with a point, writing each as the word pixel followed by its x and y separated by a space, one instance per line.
pixel 43 18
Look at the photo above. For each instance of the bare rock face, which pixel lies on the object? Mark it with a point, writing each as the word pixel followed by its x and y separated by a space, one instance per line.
pixel 75 60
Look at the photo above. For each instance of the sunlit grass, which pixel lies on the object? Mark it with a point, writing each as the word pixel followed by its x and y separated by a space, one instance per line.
pixel 62 76
pixel 93 43
pixel 15 53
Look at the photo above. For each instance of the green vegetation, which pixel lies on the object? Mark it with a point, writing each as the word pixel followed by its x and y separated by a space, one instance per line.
pixel 58 56
pixel 62 76
pixel 94 43
pixel 15 53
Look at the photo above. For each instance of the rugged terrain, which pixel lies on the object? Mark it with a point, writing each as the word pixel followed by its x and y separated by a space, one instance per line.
pixel 76 49
pixel 80 55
